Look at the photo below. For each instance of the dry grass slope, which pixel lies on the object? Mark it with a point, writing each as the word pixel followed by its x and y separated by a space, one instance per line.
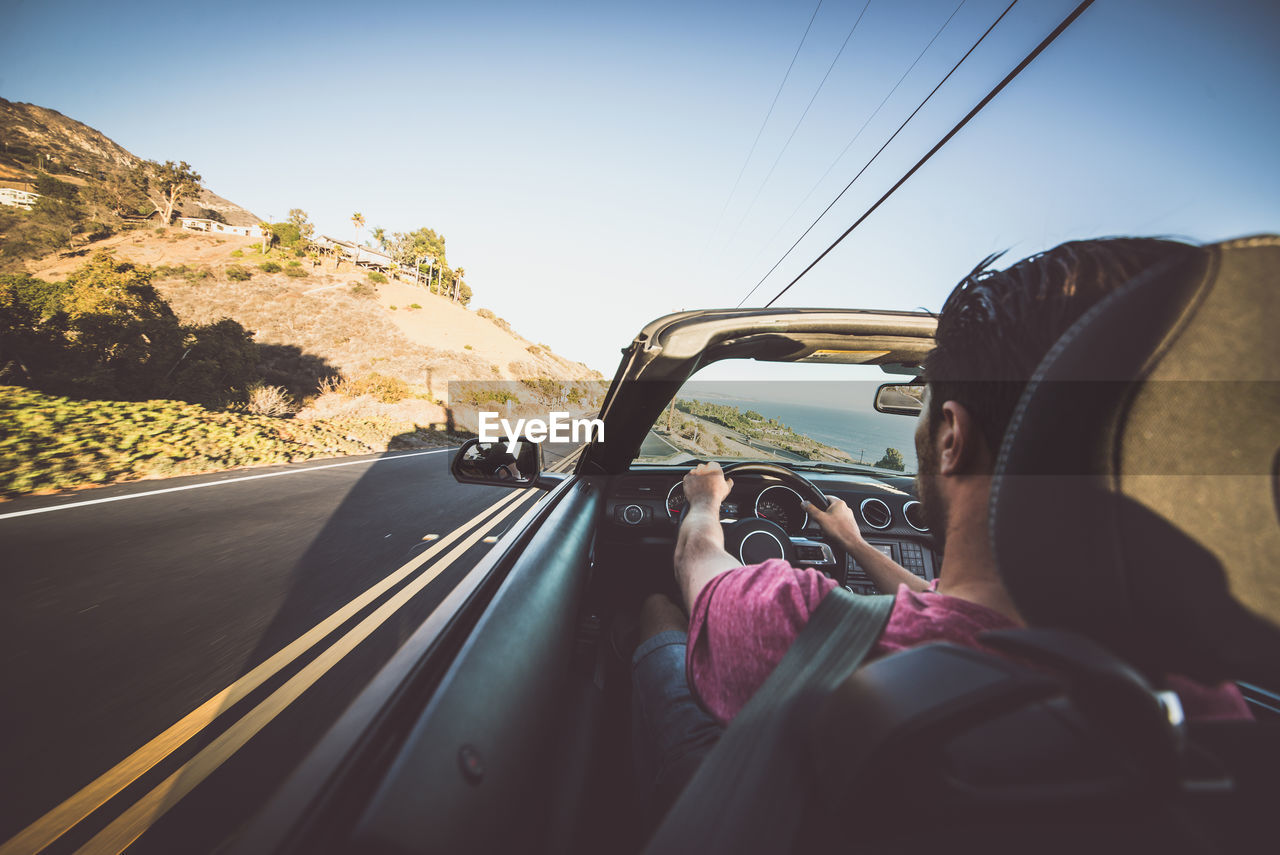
pixel 49 443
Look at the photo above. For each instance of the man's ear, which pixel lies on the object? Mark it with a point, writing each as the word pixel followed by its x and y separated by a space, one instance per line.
pixel 961 447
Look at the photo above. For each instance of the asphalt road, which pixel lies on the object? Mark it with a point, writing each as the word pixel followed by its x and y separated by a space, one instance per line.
pixel 120 619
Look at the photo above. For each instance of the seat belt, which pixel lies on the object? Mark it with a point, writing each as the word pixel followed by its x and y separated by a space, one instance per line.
pixel 750 792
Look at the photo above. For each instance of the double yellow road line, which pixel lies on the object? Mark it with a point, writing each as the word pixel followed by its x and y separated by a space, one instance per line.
pixel 131 824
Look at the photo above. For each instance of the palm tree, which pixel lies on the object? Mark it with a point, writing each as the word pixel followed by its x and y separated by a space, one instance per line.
pixel 380 235
pixel 357 220
pixel 458 276
pixel 265 228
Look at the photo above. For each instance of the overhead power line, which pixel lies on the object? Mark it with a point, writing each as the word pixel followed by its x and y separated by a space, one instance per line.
pixel 858 135
pixel 800 121
pixel 767 115
pixel 873 157
pixel 1048 40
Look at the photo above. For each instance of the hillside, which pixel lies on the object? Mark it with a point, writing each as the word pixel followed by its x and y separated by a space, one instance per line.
pixel 35 139
pixel 138 351
pixel 317 315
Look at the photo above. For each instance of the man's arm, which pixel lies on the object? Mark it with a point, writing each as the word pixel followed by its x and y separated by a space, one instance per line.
pixel 700 554
pixel 839 525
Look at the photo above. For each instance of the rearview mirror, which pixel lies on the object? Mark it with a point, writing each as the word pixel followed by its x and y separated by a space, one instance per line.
pixel 496 464
pixel 900 399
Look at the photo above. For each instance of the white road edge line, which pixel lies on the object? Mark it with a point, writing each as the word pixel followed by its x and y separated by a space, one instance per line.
pixel 87 502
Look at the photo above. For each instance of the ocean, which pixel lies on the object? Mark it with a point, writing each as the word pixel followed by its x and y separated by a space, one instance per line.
pixel 864 435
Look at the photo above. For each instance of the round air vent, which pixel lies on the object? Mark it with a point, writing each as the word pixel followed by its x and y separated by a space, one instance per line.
pixel 876 513
pixel 914 512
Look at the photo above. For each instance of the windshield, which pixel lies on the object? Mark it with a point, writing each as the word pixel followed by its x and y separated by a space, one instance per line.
pixel 806 421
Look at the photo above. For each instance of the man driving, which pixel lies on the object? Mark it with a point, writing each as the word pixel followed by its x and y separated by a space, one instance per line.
pixel 701 660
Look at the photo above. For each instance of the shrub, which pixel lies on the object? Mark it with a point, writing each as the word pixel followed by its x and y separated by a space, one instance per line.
pixel 414 306
pixel 388 390
pixel 271 401
pixel 295 272
pixel 467 347
pixel 487 314
pixel 392 308
pixel 892 460
pixel 480 397
pixel 375 276
pixel 363 289
pixel 534 349
pixel 545 386
pixel 237 253
pixel 269 267
pixel 181 271
pixel 292 263
pixel 238 272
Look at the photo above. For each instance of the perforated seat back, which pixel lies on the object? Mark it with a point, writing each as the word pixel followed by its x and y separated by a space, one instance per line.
pixel 1136 496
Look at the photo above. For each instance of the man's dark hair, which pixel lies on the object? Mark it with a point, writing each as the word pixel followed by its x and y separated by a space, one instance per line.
pixel 997 325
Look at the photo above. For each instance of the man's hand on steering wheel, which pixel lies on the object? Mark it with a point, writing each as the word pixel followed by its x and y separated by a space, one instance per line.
pixel 837 523
pixel 705 485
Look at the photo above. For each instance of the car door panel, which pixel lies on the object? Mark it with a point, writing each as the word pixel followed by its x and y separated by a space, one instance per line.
pixel 475 772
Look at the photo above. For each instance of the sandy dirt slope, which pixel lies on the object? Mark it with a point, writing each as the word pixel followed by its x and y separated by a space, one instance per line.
pixel 449 326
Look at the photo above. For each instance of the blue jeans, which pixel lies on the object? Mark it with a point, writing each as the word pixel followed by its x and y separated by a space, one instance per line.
pixel 670 732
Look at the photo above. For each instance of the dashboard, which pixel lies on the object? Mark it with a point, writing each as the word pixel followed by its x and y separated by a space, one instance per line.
pixel 643 509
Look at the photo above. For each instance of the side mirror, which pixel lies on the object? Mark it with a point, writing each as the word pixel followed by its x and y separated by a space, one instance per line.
pixel 494 464
pixel 900 399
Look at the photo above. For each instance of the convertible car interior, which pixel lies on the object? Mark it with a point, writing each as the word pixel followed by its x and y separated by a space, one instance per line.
pixel 504 722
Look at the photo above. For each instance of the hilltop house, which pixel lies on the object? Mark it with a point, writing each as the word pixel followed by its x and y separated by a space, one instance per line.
pixel 17 198
pixel 363 256
pixel 202 224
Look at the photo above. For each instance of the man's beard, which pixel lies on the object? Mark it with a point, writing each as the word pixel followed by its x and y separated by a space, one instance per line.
pixel 935 507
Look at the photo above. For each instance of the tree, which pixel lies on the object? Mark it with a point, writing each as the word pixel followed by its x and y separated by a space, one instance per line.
pixel 380 235
pixel 408 247
pixel 106 332
pixel 892 460
pixel 287 234
pixel 123 191
pixel 166 184
pixel 457 281
pixel 265 228
pixel 357 220
pixel 298 218
pixel 47 185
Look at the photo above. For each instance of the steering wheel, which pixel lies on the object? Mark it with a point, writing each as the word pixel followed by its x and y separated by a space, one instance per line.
pixel 754 540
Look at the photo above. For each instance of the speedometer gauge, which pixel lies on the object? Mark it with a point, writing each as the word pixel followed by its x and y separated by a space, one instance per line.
pixel 675 500
pixel 772 511
pixel 783 506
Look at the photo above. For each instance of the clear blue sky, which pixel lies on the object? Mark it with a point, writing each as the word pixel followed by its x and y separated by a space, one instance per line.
pixel 578 156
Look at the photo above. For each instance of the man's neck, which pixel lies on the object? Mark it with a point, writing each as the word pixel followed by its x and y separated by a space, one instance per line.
pixel 968 568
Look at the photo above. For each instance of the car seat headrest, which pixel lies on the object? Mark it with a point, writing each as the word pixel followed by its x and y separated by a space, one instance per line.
pixel 1136 496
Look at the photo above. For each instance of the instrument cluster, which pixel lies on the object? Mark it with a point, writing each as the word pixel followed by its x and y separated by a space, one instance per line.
pixel 775 502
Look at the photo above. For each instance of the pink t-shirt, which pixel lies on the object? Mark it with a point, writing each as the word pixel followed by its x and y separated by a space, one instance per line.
pixel 744 621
